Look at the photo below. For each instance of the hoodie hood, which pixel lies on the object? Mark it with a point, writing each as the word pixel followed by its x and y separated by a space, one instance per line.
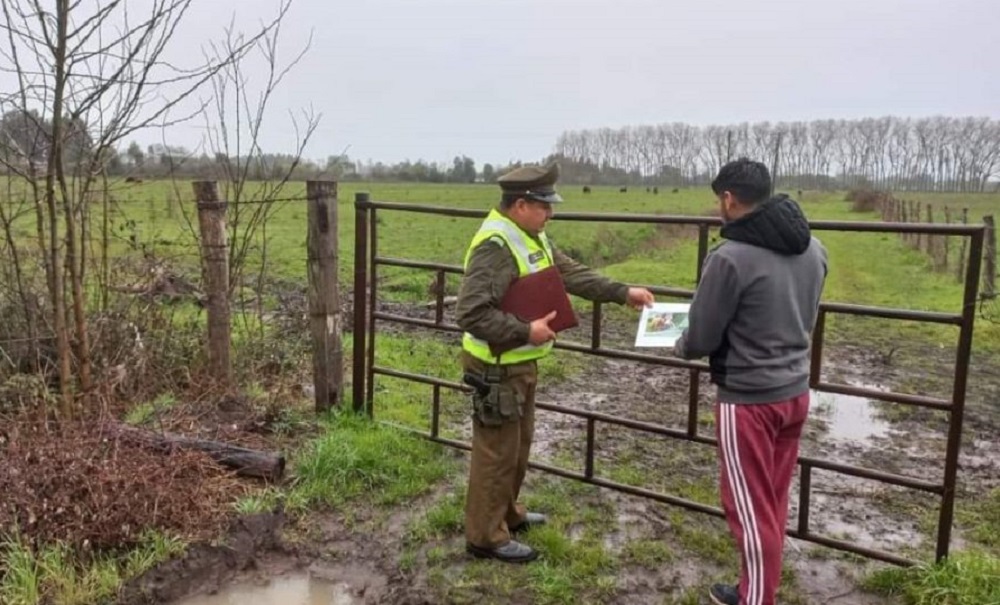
pixel 777 224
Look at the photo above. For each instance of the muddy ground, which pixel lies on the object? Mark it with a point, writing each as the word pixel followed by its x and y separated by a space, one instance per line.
pixel 363 551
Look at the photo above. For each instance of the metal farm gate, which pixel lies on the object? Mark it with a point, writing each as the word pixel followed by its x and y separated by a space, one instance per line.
pixel 367 262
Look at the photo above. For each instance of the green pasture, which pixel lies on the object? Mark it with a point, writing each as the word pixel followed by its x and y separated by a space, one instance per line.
pixel 158 218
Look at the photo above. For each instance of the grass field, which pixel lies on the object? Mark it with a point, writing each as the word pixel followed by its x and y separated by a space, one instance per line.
pixel 875 269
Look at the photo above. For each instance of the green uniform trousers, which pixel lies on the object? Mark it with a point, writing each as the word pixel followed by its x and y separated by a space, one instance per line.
pixel 499 462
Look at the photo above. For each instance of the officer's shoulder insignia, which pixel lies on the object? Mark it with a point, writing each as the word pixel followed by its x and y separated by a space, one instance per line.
pixel 534 257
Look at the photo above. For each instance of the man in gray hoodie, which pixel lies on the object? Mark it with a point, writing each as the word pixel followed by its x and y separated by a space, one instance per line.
pixel 753 315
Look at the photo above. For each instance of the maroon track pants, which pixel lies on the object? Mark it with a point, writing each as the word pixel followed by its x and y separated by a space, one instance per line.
pixel 758 449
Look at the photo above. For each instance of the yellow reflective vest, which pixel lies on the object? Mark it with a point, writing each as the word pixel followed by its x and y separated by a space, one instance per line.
pixel 531 257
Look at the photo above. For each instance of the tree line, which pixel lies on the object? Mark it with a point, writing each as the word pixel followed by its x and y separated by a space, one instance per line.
pixel 903 154
pixel 26 136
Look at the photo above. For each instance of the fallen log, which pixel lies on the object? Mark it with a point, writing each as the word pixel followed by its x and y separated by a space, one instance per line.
pixel 246 462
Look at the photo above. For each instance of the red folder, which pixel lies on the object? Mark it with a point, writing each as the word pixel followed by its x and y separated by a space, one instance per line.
pixel 536 295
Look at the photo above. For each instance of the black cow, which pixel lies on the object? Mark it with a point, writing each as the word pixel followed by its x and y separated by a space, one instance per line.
pixel 623 190
pixel 586 189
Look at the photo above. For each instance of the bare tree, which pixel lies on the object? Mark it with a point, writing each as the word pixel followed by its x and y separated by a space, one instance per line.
pixel 90 73
pixel 254 182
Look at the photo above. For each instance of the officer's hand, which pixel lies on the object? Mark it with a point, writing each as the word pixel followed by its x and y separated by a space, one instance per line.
pixel 639 297
pixel 540 332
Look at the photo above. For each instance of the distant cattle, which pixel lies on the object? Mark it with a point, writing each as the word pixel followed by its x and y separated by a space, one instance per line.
pixel 656 190
pixel 676 190
pixel 586 189
pixel 647 189
pixel 132 179
pixel 800 194
pixel 623 190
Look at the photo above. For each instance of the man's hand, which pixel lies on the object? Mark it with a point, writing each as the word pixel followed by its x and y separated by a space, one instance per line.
pixel 638 298
pixel 540 332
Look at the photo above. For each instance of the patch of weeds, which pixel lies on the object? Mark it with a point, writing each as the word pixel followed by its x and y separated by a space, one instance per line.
pixel 283 419
pixel 706 537
pixel 436 555
pixel 357 457
pixel 408 560
pixel 444 517
pixel 557 497
pixel 982 519
pixel 789 592
pixel 691 596
pixel 650 554
pixel 700 489
pixel 480 582
pixel 57 574
pixel 629 474
pixel 967 578
pixel 144 413
pixel 568 569
pixel 258 502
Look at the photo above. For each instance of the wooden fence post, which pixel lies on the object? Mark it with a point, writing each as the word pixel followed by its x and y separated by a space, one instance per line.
pixel 215 272
pixel 990 254
pixel 324 294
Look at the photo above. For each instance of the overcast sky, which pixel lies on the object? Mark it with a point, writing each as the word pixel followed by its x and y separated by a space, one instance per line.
pixel 398 79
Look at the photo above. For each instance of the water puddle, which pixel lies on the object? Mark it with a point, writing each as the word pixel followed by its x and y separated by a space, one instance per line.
pixel 848 417
pixel 300 589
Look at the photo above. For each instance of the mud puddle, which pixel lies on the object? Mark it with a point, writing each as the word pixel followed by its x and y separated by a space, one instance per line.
pixel 299 589
pixel 849 418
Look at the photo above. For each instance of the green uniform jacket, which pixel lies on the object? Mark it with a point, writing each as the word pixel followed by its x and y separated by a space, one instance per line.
pixel 491 270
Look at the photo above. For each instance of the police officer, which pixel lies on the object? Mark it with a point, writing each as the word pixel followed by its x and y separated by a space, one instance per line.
pixel 511 243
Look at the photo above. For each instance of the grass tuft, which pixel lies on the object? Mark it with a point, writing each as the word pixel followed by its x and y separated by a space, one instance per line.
pixel 967 578
pixel 358 457
pixel 55 574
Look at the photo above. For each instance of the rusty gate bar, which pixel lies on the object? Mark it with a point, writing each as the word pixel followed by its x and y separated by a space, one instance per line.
pixel 702 250
pixel 816 352
pixel 436 412
pixel 361 201
pixel 955 420
pixel 805 488
pixel 366 254
pixel 684 219
pixel 693 386
pixel 439 283
pixel 595 327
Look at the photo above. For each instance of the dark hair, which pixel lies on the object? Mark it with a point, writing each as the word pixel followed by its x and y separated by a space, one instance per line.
pixel 749 181
pixel 507 200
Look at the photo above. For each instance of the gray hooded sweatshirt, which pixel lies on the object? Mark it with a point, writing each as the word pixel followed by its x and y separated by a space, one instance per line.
pixel 756 305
